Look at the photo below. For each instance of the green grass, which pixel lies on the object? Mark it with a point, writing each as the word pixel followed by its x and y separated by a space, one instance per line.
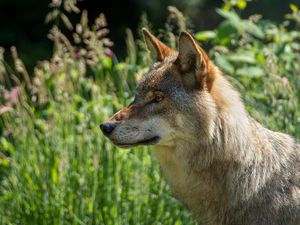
pixel 61 170
pixel 57 168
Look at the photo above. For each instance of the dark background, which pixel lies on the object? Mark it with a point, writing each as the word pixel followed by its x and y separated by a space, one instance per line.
pixel 22 22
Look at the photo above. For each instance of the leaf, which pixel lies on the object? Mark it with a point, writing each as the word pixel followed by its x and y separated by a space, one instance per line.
pixel 205 35
pixel 6 146
pixel 294 8
pixel 224 64
pixel 241 25
pixel 250 71
pixel 260 58
pixel 54 170
pixel 243 57
pixel 234 19
pixel 253 29
pixel 224 33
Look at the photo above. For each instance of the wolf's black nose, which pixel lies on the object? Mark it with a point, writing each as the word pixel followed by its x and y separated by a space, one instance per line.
pixel 107 128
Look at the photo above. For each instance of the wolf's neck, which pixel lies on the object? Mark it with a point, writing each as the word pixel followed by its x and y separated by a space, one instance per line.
pixel 238 156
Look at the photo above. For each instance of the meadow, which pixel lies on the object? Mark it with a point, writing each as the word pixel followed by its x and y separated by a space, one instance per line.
pixel 55 165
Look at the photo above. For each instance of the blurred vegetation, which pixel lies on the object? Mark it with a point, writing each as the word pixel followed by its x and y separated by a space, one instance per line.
pixel 22 22
pixel 57 168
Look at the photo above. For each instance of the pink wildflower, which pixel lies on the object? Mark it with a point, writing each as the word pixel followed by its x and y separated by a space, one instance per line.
pixel 12 95
pixel 108 53
pixel 77 54
pixel 5 108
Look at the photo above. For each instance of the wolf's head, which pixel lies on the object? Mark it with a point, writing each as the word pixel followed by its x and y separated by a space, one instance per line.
pixel 173 101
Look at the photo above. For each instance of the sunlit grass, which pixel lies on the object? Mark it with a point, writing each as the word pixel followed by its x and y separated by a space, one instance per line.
pixel 55 165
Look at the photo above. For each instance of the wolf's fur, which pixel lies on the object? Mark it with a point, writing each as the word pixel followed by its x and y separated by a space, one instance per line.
pixel 226 167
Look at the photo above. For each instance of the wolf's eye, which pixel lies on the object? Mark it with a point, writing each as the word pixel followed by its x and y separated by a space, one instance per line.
pixel 158 98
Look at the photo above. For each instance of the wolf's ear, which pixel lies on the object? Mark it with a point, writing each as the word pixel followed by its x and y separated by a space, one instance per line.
pixel 157 49
pixel 192 59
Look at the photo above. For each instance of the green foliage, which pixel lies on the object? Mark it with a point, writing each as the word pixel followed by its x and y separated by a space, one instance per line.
pixel 263 60
pixel 55 164
pixel 57 168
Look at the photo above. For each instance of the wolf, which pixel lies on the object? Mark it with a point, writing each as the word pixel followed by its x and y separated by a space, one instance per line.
pixel 225 166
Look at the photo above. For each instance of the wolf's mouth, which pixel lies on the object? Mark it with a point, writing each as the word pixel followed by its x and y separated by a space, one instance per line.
pixel 150 141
